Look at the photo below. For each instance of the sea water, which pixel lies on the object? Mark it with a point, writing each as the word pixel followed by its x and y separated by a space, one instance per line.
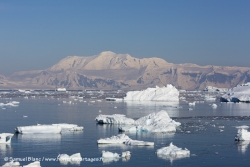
pixel 208 133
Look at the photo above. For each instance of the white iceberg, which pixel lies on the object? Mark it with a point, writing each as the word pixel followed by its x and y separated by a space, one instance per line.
pixel 123 139
pixel 114 119
pixel 214 89
pixel 70 127
pixel 5 138
pixel 155 122
pixel 11 164
pixel 33 164
pixel 108 157
pixel 126 154
pixel 240 93
pixel 214 106
pixel 73 159
pixel 10 104
pixel 119 139
pixel 168 93
pixel 242 135
pixel 38 129
pixel 172 152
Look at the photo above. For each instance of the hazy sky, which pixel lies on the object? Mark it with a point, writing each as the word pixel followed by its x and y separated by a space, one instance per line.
pixel 37 34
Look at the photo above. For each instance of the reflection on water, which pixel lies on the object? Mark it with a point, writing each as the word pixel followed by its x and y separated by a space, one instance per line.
pixel 242 146
pixel 109 160
pixel 4 148
pixel 39 138
pixel 172 158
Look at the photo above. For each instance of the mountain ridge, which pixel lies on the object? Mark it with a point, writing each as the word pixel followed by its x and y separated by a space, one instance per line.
pixel 109 70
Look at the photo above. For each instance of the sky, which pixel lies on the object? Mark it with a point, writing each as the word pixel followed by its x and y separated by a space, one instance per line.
pixel 34 35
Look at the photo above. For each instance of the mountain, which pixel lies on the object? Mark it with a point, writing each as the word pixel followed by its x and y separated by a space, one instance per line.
pixel 109 70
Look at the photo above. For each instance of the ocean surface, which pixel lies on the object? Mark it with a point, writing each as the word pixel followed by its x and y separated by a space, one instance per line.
pixel 208 133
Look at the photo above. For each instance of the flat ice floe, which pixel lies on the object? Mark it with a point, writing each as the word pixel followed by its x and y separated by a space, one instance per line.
pixel 242 135
pixel 168 93
pixel 240 93
pixel 10 104
pixel 54 128
pixel 69 127
pixel 114 119
pixel 155 122
pixel 123 139
pixel 38 129
pixel 64 159
pixel 5 138
pixel 172 152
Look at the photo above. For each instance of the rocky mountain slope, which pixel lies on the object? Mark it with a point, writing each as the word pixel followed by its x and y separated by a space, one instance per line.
pixel 109 70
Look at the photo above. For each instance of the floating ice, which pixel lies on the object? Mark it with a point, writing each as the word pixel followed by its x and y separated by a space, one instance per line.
pixel 168 93
pixel 119 139
pixel 38 129
pixel 242 135
pixel 113 99
pixel 214 106
pixel 107 154
pixel 123 139
pixel 70 127
pixel 240 93
pixel 10 104
pixel 73 159
pixel 126 154
pixel 155 122
pixel 191 104
pixel 11 164
pixel 5 138
pixel 33 164
pixel 114 119
pixel 172 152
pixel 215 89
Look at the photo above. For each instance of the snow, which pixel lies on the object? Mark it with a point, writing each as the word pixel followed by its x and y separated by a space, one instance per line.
pixel 168 93
pixel 172 152
pixel 123 139
pixel 73 159
pixel 119 139
pixel 242 135
pixel 155 122
pixel 69 127
pixel 5 138
pixel 38 129
pixel 114 119
pixel 240 93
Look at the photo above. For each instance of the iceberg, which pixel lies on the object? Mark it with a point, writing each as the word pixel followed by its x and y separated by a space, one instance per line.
pixel 11 164
pixel 108 157
pixel 123 139
pixel 73 159
pixel 172 152
pixel 168 93
pixel 119 139
pixel 114 119
pixel 10 104
pixel 5 138
pixel 214 106
pixel 33 164
pixel 38 129
pixel 215 89
pixel 155 122
pixel 126 154
pixel 242 135
pixel 240 93
pixel 70 127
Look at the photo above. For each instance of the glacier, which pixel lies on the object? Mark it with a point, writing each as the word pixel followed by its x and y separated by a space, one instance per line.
pixel 166 93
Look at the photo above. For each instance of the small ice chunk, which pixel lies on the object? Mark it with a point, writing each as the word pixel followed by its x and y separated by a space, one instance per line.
pixel 242 135
pixel 119 139
pixel 107 154
pixel 172 152
pixel 5 138
pixel 11 164
pixel 214 106
pixel 73 159
pixel 33 164
pixel 126 154
pixel 191 104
